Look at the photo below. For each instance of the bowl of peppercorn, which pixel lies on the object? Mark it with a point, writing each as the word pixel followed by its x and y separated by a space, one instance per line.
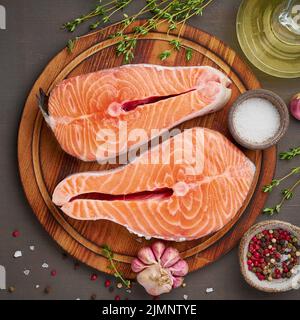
pixel 269 256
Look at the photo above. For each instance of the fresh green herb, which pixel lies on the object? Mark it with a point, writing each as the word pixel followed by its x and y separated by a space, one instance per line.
pixel 105 11
pixel 287 195
pixel 288 155
pixel 188 54
pixel 172 12
pixel 276 182
pixel 176 44
pixel 107 252
pixel 165 55
pixel 71 45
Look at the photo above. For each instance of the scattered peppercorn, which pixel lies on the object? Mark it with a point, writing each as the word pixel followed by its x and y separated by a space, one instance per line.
pixel 11 289
pixel 47 290
pixel 272 254
pixel 107 283
pixel 16 233
pixel 94 277
pixel 53 273
pixel 117 298
pixel 119 285
pixel 93 296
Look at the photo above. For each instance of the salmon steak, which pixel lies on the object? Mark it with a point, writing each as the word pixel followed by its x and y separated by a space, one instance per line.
pixel 185 188
pixel 101 115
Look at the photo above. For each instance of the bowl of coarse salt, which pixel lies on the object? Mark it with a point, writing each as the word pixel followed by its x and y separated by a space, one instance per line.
pixel 258 119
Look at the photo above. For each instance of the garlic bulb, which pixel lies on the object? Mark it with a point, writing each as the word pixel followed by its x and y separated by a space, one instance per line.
pixel 295 106
pixel 159 269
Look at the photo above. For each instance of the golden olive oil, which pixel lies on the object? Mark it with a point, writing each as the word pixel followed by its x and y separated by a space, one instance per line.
pixel 269 34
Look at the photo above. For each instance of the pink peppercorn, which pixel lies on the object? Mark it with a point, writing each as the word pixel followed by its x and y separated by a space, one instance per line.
pixel 261 277
pixel 256 255
pixel 94 277
pixel 107 283
pixel 16 233
pixel 117 298
pixel 53 273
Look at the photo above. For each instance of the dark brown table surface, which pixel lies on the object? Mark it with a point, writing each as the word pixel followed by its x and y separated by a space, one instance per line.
pixel 32 38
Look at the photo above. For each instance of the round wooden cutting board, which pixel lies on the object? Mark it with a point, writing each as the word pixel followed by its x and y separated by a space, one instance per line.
pixel 43 164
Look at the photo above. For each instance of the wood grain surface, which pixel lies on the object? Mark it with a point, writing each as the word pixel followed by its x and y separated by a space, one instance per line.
pixel 43 164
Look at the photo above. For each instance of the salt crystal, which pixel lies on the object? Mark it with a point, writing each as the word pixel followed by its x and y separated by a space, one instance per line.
pixel 256 120
pixel 185 296
pixel 209 290
pixel 37 286
pixel 32 248
pixel 26 272
pixel 18 254
pixel 45 265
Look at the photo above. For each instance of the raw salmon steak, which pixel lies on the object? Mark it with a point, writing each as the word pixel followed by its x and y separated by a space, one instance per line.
pixel 185 188
pixel 100 115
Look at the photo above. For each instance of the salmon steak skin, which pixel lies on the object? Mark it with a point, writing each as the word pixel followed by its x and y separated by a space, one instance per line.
pixel 95 116
pixel 189 186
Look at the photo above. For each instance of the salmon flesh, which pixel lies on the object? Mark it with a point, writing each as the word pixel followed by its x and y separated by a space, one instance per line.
pixel 96 116
pixel 183 189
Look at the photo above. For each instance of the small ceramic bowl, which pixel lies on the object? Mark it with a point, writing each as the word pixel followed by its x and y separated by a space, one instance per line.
pixel 277 102
pixel 280 285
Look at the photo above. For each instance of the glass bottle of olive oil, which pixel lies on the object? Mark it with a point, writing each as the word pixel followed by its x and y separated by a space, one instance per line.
pixel 269 34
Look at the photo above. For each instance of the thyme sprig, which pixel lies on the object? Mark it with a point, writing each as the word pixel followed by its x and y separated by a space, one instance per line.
pixel 71 45
pixel 105 11
pixel 287 194
pixel 276 182
pixel 107 252
pixel 288 155
pixel 172 12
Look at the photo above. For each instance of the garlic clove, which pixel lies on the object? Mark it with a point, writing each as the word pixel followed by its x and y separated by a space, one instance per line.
pixel 179 269
pixel 146 255
pixel 170 257
pixel 137 265
pixel 156 280
pixel 158 249
pixel 177 282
